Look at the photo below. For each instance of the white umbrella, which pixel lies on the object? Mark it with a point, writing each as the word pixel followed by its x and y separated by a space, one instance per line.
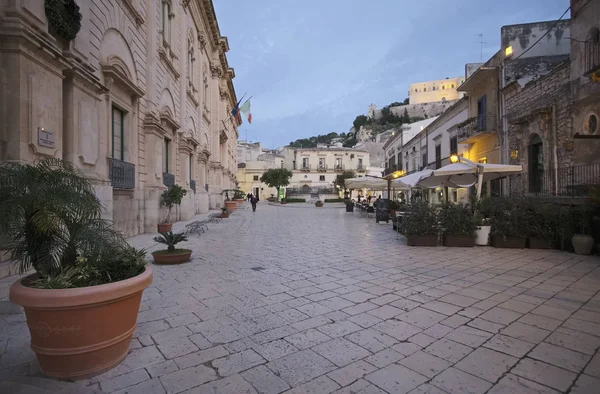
pixel 412 180
pixel 366 183
pixel 466 173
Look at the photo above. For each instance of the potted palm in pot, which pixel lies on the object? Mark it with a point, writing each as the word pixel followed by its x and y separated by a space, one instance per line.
pixel 318 203
pixel 458 225
pixel 483 212
pixel 169 198
pixel 543 226
pixel 510 224
pixel 171 255
pixel 82 301
pixel 224 213
pixel 421 225
pixel 230 204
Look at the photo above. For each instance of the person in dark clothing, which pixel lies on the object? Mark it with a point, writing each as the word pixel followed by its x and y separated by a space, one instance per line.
pixel 253 201
pixel 249 196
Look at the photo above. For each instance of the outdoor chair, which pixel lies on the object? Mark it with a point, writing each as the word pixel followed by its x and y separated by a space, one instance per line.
pixel 199 226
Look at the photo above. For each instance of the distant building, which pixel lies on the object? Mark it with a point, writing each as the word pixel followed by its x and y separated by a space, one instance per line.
pixel 441 90
pixel 253 161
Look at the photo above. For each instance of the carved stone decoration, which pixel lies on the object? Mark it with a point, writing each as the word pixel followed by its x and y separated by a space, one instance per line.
pixel 202 41
pixel 185 3
pixel 223 137
pixel 215 71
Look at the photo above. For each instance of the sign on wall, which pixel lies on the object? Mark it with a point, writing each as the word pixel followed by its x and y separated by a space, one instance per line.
pixel 45 138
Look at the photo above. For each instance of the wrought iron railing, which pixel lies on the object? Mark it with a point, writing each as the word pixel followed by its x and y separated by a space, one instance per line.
pixel 592 56
pixel 361 167
pixel 322 167
pixel 168 179
pixel 573 181
pixel 121 174
pixel 193 185
pixel 477 125
pixel 390 170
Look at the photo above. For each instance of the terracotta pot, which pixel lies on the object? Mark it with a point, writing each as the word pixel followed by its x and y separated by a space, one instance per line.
pixel 180 256
pixel 83 332
pixel 582 244
pixel 224 215
pixel 283 202
pixel 498 241
pixel 461 241
pixel 540 243
pixel 239 202
pixel 318 205
pixel 422 240
pixel 164 227
pixel 230 205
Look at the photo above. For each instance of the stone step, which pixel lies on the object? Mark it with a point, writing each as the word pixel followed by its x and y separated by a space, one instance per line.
pixel 39 385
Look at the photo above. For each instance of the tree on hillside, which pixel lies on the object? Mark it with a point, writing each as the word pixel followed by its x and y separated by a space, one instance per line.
pixel 276 177
pixel 340 179
pixel 360 120
pixel 405 102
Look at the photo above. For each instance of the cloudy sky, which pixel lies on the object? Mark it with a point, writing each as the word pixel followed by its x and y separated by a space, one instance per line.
pixel 313 65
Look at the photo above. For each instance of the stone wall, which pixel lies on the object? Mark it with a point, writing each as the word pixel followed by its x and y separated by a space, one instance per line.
pixel 529 111
pixel 424 110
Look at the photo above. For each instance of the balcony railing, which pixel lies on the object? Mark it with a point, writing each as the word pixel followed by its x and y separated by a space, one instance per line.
pixel 168 179
pixel 573 181
pixel 476 128
pixel 322 168
pixel 193 185
pixel 361 168
pixel 390 170
pixel 122 174
pixel 338 167
pixel 592 56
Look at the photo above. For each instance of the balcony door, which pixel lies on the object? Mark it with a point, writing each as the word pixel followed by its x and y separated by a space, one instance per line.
pixel 481 113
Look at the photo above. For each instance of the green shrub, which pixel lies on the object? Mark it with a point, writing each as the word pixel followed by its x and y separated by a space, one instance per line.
pixel 290 200
pixel 333 200
pixel 457 219
pixel 421 220
pixel 510 217
pixel 171 197
pixel 543 221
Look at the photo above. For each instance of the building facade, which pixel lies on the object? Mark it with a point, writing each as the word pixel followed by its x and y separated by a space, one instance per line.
pixel 441 90
pixel 139 99
pixel 253 162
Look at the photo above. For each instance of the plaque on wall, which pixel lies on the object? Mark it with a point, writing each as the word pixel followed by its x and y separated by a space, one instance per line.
pixel 45 138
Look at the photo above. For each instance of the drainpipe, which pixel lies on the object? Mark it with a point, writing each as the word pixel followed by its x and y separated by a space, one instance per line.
pixel 555 149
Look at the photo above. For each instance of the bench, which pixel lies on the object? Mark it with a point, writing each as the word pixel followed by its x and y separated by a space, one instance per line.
pixel 214 217
pixel 197 226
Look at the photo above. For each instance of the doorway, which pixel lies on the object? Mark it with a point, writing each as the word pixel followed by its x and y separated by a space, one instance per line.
pixel 536 164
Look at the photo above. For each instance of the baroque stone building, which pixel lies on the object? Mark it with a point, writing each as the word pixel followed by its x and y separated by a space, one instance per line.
pixel 140 99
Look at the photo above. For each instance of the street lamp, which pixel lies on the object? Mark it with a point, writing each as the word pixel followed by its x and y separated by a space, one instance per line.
pixel 454 158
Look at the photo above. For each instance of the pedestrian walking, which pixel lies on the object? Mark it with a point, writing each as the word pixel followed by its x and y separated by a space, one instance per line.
pixel 249 196
pixel 253 201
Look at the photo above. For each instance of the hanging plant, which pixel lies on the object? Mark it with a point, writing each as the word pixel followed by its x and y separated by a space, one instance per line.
pixel 64 18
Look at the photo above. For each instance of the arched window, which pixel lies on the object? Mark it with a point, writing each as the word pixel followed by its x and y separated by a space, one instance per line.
pixel 191 60
pixel 166 16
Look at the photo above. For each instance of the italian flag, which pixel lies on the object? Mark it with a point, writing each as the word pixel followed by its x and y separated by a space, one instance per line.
pixel 246 110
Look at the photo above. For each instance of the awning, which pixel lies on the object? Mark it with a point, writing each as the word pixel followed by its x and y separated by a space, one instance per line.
pixel 464 173
pixel 365 182
pixel 412 180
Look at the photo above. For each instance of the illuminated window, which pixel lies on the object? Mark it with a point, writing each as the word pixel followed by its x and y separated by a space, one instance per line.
pixel 483 160
pixel 452 86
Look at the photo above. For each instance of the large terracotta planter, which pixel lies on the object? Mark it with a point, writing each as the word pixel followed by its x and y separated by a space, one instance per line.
pixel 499 241
pixel 230 205
pixel 82 332
pixel 225 214
pixel 164 227
pixel 461 241
pixel 319 205
pixel 180 256
pixel 239 202
pixel 422 240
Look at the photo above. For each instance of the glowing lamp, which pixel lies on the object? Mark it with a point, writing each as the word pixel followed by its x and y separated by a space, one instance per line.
pixel 454 159
pixel 508 51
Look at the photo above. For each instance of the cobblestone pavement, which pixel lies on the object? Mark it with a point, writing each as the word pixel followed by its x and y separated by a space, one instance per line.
pixel 318 301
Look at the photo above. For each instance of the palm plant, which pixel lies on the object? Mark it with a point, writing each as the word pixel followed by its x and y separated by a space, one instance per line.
pixel 51 220
pixel 170 239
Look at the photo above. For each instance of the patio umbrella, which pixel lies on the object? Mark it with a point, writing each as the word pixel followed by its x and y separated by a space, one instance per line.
pixel 466 173
pixel 412 180
pixel 366 183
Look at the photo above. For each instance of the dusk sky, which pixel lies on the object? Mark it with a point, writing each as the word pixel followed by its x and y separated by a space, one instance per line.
pixel 314 65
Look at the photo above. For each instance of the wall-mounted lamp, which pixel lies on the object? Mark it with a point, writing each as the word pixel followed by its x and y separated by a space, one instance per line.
pixel 508 51
pixel 514 154
pixel 454 158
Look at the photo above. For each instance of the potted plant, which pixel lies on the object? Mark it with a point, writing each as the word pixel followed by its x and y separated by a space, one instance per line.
pixel 543 226
pixel 421 225
pixel 171 255
pixel 238 196
pixel 169 198
pixel 82 301
pixel 509 224
pixel 224 213
pixel 458 225
pixel 483 211
pixel 393 207
pixel 229 203
pixel 283 201
pixel 318 203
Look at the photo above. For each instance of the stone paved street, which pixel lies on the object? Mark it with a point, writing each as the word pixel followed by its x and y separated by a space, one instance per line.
pixel 304 300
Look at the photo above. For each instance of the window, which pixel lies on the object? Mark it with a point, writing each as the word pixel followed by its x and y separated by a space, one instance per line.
pixel 166 156
pixel 406 166
pixel 438 156
pixel 255 178
pixel 305 162
pixel 443 87
pixel 591 124
pixel 321 162
pixel 399 161
pixel 424 160
pixel 434 88
pixel 360 164
pixel 452 86
pixel 166 21
pixel 191 60
pixel 281 163
pixel 118 134
pixel 190 167
pixel 414 164
pixel 453 145
pixel 322 178
pixel 424 89
pixel 483 160
pixel 416 90
pixel 338 163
